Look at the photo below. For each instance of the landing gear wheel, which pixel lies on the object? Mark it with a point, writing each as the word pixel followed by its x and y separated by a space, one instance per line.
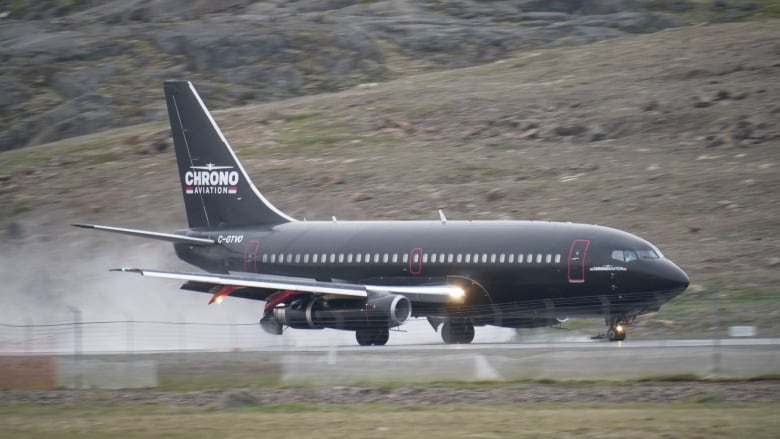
pixel 372 336
pixel 616 333
pixel 457 332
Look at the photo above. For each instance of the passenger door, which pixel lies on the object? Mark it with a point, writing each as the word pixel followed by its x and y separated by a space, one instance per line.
pixel 576 266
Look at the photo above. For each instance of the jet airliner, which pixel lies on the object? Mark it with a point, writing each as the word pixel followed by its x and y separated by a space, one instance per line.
pixel 372 276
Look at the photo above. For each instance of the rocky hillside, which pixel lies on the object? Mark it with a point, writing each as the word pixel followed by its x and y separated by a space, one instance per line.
pixel 72 68
pixel 673 135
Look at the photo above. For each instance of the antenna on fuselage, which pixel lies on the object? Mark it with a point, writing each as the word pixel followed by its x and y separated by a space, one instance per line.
pixel 442 217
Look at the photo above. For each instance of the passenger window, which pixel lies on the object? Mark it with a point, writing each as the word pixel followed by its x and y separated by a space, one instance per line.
pixel 425 258
pixel 395 258
pixel 306 258
pixel 511 258
pixel 501 258
pixel 359 257
pixel 520 258
pixel 415 257
pixel 476 258
pixel 548 258
pixel 341 258
pixel 324 258
pixel 468 258
pixel 273 258
pixel 433 258
pixel 386 258
pixel 529 258
pixel 265 258
pixel 314 258
pixel 406 257
pixel 460 257
pixel 349 258
pixel 368 258
pixel 557 258
pixel 538 258
pixel 333 258
pixel 297 258
pixel 376 258
pixel 449 257
pixel 441 257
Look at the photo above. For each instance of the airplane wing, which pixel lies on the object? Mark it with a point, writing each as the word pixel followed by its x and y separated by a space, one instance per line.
pixel 438 293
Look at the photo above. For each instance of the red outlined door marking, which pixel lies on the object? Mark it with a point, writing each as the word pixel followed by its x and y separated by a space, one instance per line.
pixel 415 261
pixel 250 255
pixel 577 254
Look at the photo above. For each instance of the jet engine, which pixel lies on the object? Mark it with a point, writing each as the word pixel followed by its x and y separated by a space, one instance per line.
pixel 379 311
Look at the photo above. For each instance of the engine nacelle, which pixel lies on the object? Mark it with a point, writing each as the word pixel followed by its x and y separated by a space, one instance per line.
pixel 380 311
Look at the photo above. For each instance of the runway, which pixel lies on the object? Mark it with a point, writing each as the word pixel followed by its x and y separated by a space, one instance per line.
pixel 590 360
pixel 421 363
pixel 495 347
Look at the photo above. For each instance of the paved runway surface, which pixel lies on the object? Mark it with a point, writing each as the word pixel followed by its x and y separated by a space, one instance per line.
pixel 594 360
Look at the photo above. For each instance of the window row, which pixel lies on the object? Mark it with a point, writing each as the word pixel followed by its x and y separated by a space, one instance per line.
pixel 416 257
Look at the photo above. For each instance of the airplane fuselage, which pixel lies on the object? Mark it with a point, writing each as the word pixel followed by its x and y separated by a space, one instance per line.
pixel 515 273
pixel 370 276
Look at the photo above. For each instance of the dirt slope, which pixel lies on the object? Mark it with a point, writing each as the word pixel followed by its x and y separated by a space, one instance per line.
pixel 673 136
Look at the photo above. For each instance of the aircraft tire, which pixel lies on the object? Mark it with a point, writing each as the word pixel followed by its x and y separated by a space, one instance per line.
pixel 372 336
pixel 457 332
pixel 615 335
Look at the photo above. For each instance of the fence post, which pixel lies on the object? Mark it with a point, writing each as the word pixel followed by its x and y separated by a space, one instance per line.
pixel 182 334
pixel 130 333
pixel 77 345
pixel 716 360
pixel 28 338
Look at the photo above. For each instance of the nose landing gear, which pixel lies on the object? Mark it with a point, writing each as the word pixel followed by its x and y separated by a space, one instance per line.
pixel 616 332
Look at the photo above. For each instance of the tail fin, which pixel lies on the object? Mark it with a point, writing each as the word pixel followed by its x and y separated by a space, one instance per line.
pixel 217 190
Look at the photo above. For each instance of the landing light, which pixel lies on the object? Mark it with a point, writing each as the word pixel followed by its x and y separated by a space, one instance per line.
pixel 619 329
pixel 220 299
pixel 457 293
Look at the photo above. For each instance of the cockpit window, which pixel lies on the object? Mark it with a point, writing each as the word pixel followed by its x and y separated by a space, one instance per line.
pixel 633 255
pixel 647 254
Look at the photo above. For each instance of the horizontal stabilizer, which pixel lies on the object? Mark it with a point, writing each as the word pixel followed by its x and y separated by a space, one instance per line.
pixel 170 237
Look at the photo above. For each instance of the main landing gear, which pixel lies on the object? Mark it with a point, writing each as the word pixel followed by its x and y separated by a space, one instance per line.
pixel 457 331
pixel 372 336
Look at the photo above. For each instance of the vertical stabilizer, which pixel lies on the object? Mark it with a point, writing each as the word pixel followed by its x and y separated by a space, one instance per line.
pixel 217 190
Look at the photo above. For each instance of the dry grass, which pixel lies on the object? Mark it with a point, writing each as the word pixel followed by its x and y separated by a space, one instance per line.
pixel 379 421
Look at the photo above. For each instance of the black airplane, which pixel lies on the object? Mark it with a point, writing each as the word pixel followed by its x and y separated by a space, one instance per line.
pixel 371 276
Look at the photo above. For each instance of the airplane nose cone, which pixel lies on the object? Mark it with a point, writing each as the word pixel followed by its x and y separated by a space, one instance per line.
pixel 674 278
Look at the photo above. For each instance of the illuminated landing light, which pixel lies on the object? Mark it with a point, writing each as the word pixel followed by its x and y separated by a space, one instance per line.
pixel 619 329
pixel 219 299
pixel 457 294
